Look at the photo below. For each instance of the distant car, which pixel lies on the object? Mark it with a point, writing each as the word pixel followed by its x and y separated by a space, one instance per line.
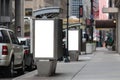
pixel 29 61
pixel 11 53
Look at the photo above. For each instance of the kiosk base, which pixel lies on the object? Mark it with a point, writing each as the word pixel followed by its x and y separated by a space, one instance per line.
pixel 74 55
pixel 46 68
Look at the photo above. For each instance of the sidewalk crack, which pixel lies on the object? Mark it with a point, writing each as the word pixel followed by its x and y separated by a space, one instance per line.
pixel 78 71
pixel 82 67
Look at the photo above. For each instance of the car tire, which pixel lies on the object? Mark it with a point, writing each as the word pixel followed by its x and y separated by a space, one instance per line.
pixel 32 66
pixel 23 66
pixel 11 69
pixel 22 69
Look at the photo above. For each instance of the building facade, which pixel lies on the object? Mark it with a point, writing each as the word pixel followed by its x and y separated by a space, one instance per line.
pixel 116 3
pixel 86 8
pixel 27 7
pixel 74 7
pixel 5 12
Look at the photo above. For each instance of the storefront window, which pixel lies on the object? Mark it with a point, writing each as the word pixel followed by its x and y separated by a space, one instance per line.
pixel 28 12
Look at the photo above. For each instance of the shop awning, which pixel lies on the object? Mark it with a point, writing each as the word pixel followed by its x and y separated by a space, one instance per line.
pixel 105 24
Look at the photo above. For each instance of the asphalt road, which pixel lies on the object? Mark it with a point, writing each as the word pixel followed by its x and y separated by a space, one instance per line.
pixel 5 77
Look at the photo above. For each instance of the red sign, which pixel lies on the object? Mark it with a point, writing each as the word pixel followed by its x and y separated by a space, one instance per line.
pixel 80 11
pixel 88 22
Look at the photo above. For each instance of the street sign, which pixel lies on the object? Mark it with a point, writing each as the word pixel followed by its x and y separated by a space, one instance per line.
pixel 80 11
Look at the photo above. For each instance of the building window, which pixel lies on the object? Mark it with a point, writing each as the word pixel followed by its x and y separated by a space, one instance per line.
pixel 75 7
pixel 28 12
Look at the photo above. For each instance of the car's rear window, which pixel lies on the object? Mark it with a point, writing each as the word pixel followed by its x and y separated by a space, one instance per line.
pixel 4 38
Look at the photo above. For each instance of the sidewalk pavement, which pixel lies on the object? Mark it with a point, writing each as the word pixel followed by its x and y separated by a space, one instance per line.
pixel 101 65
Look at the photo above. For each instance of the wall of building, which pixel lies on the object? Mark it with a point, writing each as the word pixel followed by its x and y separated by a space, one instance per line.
pixel 74 7
pixel 103 3
pixel 5 12
pixel 118 32
pixel 63 5
pixel 87 9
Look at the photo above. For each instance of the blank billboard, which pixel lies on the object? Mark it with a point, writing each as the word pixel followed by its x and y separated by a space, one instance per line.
pixel 44 38
pixel 73 40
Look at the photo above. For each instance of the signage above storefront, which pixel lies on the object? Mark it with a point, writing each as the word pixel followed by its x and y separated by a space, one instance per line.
pixel 110 10
pixel 105 24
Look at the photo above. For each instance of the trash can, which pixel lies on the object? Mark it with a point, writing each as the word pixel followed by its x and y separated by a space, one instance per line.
pixel 74 55
pixel 46 68
pixel 89 47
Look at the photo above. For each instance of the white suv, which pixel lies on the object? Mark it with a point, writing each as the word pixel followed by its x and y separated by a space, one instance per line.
pixel 11 53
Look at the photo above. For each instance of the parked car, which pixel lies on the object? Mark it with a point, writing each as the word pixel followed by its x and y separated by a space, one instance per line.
pixel 11 53
pixel 29 61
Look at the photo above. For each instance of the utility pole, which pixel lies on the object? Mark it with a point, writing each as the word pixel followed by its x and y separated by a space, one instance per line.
pixel 92 20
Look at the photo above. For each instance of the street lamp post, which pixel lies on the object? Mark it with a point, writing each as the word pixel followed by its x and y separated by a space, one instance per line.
pixel 67 52
pixel 91 20
pixel 80 16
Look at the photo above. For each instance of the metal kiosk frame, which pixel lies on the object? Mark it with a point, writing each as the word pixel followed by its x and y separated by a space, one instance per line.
pixel 47 45
pixel 74 44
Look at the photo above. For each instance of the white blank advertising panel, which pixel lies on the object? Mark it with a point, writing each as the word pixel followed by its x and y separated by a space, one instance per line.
pixel 73 40
pixel 44 38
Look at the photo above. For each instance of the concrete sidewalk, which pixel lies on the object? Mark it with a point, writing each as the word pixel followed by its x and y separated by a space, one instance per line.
pixel 101 65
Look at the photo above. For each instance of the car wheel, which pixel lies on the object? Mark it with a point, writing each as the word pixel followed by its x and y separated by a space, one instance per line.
pixel 32 66
pixel 11 69
pixel 23 66
pixel 22 69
